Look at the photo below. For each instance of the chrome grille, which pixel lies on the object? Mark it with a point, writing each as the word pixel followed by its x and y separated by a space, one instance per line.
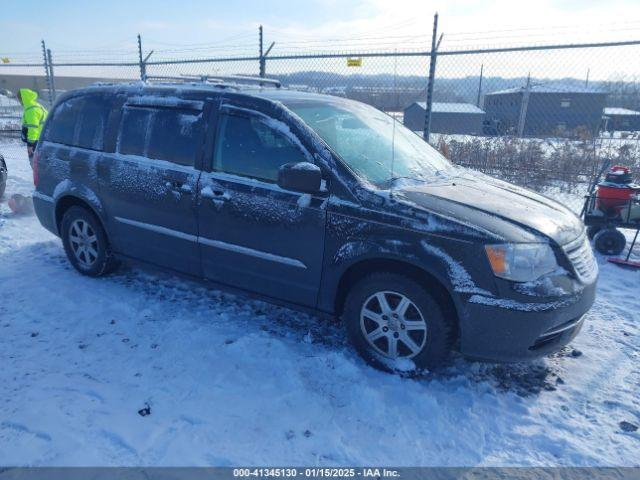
pixel 581 257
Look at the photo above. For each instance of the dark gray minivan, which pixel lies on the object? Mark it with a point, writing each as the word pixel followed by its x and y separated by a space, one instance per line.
pixel 317 203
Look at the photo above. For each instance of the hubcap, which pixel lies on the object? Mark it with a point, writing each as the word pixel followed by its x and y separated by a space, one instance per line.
pixel 84 243
pixel 393 325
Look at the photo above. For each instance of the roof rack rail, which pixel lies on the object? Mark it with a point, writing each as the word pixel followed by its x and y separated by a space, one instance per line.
pixel 219 79
pixel 181 78
pixel 236 79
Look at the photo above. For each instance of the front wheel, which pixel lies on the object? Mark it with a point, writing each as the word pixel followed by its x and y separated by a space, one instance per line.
pixel 85 242
pixel 396 324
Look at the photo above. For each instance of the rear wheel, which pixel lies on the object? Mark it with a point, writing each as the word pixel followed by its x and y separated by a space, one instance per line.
pixel 85 242
pixel 393 320
pixel 609 242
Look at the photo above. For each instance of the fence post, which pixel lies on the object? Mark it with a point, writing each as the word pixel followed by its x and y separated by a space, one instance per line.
pixel 52 78
pixel 261 53
pixel 47 72
pixel 480 86
pixel 432 75
pixel 143 67
pixel 522 119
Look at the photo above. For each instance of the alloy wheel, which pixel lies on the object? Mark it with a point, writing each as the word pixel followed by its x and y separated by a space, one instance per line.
pixel 393 325
pixel 84 243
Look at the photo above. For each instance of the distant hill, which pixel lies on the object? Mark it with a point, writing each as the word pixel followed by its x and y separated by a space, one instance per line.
pixel 382 90
pixel 464 89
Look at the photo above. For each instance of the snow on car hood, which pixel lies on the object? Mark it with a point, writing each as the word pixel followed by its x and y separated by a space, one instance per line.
pixel 497 206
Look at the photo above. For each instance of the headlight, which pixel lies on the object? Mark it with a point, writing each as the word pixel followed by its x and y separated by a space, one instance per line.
pixel 521 262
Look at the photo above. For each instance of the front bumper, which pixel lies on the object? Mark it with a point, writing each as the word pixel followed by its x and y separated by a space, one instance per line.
pixel 506 331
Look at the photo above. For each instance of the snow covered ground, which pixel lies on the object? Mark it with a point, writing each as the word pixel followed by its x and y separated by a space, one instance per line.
pixel 229 381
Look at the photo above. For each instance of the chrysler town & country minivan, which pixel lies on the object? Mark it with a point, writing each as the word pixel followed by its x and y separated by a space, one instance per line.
pixel 318 203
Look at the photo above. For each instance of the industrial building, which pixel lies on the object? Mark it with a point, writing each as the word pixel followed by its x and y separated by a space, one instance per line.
pixel 9 106
pixel 617 119
pixel 38 84
pixel 387 99
pixel 536 110
pixel 451 118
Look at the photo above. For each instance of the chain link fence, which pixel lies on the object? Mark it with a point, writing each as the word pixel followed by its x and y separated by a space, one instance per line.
pixel 547 122
pixel 542 116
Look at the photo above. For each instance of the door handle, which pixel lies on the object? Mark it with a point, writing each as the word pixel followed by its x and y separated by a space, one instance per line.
pixel 213 194
pixel 186 189
pixel 179 186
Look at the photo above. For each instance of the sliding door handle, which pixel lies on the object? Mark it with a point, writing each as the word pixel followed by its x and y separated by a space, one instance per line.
pixel 179 187
pixel 214 194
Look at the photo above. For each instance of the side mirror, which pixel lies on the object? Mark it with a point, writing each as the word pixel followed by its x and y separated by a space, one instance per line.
pixel 300 177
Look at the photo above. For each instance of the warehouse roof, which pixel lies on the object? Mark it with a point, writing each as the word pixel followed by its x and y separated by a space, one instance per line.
pixel 549 88
pixel 445 107
pixel 8 102
pixel 620 111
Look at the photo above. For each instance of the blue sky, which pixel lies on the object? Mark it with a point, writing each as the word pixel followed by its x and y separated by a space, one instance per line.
pixel 69 24
pixel 72 25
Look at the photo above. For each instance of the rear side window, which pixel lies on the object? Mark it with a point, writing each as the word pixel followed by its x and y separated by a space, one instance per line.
pixel 92 123
pixel 81 122
pixel 170 134
pixel 133 130
pixel 249 147
pixel 64 121
pixel 175 136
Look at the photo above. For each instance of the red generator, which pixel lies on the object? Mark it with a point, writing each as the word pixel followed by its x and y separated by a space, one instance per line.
pixel 616 191
pixel 611 205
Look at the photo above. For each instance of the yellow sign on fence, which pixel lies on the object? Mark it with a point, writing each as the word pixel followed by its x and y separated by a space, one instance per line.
pixel 354 62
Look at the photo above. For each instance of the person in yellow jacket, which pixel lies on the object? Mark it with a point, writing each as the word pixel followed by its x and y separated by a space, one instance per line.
pixel 33 119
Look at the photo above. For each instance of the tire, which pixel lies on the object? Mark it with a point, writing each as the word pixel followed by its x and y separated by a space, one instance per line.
pixel 609 242
pixel 592 231
pixel 85 242
pixel 430 346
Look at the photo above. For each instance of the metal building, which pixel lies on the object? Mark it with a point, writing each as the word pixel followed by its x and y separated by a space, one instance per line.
pixel 388 99
pixel 452 118
pixel 621 119
pixel 536 110
pixel 9 107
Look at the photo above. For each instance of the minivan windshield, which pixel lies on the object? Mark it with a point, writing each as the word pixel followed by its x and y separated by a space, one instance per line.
pixel 369 142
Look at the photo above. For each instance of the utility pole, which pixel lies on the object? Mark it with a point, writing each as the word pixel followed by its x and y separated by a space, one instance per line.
pixel 432 75
pixel 52 82
pixel 480 86
pixel 524 106
pixel 47 72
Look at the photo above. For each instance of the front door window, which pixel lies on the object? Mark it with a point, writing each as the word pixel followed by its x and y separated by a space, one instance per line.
pixel 250 147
